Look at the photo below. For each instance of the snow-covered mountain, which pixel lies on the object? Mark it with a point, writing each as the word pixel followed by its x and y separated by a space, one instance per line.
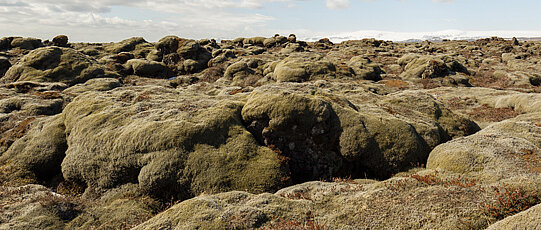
pixel 435 36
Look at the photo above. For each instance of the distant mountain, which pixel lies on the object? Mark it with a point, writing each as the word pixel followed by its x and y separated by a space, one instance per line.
pixel 431 36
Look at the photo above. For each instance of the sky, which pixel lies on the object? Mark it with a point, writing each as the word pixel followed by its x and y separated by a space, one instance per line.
pixel 115 20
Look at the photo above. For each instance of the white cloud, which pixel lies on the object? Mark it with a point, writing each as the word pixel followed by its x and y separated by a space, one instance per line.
pixel 86 20
pixel 90 20
pixel 337 4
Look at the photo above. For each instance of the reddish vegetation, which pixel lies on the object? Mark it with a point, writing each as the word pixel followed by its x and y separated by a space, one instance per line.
pixel 48 94
pixel 396 84
pixel 487 113
pixel 8 137
pixel 459 103
pixel 510 201
pixel 212 73
pixel 297 196
pixel 434 180
pixel 429 83
pixel 532 158
pixel 143 97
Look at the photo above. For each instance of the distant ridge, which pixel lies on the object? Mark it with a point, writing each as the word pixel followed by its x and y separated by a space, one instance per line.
pixel 431 36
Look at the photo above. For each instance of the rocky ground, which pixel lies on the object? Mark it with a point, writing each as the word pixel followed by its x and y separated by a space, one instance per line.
pixel 270 133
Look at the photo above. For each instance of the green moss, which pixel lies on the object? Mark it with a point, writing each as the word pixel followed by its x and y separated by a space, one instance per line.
pixel 41 151
pixel 113 141
pixel 239 164
pixel 55 64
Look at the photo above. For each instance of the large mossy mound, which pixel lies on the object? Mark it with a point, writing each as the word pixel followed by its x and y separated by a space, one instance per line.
pixel 507 151
pixel 166 145
pixel 55 64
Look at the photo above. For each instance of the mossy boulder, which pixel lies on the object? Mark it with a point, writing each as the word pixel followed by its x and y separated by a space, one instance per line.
pixel 97 84
pixel 365 69
pixel 325 135
pixel 245 72
pixel 291 47
pixel 60 40
pixel 35 207
pixel 305 130
pixel 449 124
pixel 202 147
pixel 4 66
pixel 119 208
pixel 259 41
pixel 274 41
pixel 136 45
pixel 236 69
pixel 119 214
pixel 300 68
pixel 40 151
pixel 18 110
pixel 191 57
pixel 507 151
pixel 198 55
pixel 416 66
pixel 169 44
pixel 26 43
pixel 5 43
pixel 225 211
pixel 520 102
pixel 145 68
pixel 55 64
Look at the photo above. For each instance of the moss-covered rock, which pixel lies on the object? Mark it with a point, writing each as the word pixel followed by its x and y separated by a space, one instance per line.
pixel 5 42
pixel 507 151
pixel 225 211
pixel 60 40
pixel 19 109
pixel 55 64
pixel 144 68
pixel 40 151
pixel 304 129
pixel 409 102
pixel 191 57
pixel 416 66
pixel 325 135
pixel 4 66
pixel 120 208
pixel 35 207
pixel 140 135
pixel 299 68
pixel 26 43
pixel 259 41
pixel 97 84
pixel 364 68
pixel 168 44
pixel 337 205
pixel 137 45
pixel 520 102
